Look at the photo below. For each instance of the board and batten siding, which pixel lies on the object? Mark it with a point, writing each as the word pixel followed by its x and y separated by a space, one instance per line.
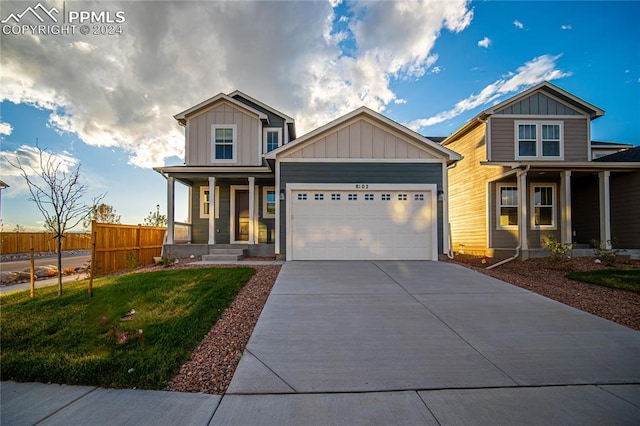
pixel 503 142
pixel 468 192
pixel 358 173
pixel 361 138
pixel 538 104
pixel 199 150
pixel 625 210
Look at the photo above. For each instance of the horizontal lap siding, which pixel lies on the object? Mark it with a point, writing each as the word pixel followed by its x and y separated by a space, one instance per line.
pixel 392 173
pixel 503 138
pixel 468 192
pixel 625 210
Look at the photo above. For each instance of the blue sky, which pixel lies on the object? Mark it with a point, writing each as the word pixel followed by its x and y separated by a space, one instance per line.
pixel 107 101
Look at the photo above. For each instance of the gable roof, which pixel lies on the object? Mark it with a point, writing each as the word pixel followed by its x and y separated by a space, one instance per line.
pixel 627 156
pixel 182 117
pixel 287 118
pixel 364 111
pixel 593 111
pixel 602 144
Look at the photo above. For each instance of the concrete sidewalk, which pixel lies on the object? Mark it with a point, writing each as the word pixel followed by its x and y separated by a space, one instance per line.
pixel 389 343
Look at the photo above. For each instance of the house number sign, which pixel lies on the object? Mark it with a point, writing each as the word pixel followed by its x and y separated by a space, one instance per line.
pixel 362 186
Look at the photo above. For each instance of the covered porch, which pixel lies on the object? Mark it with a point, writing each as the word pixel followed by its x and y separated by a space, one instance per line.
pixel 228 210
pixel 586 205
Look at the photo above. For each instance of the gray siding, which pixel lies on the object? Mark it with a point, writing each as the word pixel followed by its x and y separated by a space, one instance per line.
pixel 585 210
pixel 359 173
pixel 576 140
pixel 625 210
pixel 538 104
pixel 200 227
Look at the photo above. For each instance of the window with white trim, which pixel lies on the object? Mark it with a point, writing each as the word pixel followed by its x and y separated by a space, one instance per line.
pixel 335 197
pixel 539 140
pixel 204 202
pixel 543 207
pixel 418 197
pixel 272 137
pixel 352 197
pixel 318 197
pixel 223 143
pixel 302 197
pixel 402 197
pixel 268 202
pixel 368 197
pixel 385 197
pixel 507 206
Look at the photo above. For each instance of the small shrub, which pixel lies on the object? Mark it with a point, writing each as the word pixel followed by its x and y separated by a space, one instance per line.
pixel 168 260
pixel 558 250
pixel 607 255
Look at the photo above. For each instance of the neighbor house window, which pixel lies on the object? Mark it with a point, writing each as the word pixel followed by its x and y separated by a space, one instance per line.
pixel 543 207
pixel 269 202
pixel 204 202
pixel 224 145
pixel 539 140
pixel 272 139
pixel 507 206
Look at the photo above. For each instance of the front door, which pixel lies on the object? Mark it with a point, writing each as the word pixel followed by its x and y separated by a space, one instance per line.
pixel 242 215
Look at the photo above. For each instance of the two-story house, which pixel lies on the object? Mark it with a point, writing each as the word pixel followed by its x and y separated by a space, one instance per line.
pixel 359 187
pixel 527 173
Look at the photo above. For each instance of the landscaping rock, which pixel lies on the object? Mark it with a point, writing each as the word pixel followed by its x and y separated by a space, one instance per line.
pixel 7 277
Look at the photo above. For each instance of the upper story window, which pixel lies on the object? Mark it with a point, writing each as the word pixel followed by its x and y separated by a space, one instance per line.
pixel 539 140
pixel 224 143
pixel 272 138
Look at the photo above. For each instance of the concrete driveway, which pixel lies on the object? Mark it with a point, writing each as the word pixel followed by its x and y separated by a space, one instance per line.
pixel 427 343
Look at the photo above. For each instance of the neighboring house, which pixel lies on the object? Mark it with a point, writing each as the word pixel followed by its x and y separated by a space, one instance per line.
pixel 360 187
pixel 602 149
pixel 527 174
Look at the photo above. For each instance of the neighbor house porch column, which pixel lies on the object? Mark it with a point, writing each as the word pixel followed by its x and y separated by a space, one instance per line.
pixel 252 209
pixel 522 209
pixel 605 209
pixel 171 184
pixel 212 210
pixel 566 236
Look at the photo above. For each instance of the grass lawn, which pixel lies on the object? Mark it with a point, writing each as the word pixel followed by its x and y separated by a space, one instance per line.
pixel 75 339
pixel 624 279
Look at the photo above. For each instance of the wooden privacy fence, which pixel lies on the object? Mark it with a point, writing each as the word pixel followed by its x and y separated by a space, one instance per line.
pixel 119 247
pixel 20 242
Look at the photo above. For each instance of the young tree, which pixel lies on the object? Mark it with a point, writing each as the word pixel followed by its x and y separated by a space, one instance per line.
pixel 101 213
pixel 56 189
pixel 155 218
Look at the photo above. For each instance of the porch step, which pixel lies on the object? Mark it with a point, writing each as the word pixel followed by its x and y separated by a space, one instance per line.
pixel 224 254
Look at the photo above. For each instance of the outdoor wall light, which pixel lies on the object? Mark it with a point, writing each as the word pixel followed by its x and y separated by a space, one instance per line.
pixel 282 195
pixel 440 195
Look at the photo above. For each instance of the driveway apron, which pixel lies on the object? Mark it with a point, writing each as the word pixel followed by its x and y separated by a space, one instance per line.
pixel 438 339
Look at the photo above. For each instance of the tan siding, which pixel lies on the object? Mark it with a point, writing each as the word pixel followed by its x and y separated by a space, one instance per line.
pixel 468 193
pixel 362 138
pixel 576 143
pixel 502 139
pixel 200 135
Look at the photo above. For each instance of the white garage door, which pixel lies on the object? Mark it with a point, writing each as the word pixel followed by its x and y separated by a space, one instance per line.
pixel 363 225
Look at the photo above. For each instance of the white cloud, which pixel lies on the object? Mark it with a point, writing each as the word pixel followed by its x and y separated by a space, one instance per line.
pixel 5 128
pixel 399 101
pixel 485 42
pixel 531 73
pixel 436 70
pixel 519 25
pixel 122 91
pixel 566 27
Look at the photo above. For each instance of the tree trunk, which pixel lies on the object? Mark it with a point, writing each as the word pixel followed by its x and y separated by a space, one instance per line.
pixel 60 266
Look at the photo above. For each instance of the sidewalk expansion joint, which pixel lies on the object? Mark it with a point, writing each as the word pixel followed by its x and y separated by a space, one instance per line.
pixel 66 406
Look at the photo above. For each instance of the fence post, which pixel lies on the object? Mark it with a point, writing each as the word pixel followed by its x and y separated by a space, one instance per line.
pixel 139 244
pixel 32 269
pixel 92 265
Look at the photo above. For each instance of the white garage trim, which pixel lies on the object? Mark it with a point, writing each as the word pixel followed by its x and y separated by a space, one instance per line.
pixel 290 187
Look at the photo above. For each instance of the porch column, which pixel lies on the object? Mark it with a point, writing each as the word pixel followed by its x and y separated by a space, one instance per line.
pixel 212 210
pixel 566 236
pixel 171 184
pixel 252 209
pixel 605 209
pixel 522 208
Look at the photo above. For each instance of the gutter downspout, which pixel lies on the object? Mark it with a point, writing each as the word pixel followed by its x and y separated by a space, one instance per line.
pixel 515 256
pixel 450 251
